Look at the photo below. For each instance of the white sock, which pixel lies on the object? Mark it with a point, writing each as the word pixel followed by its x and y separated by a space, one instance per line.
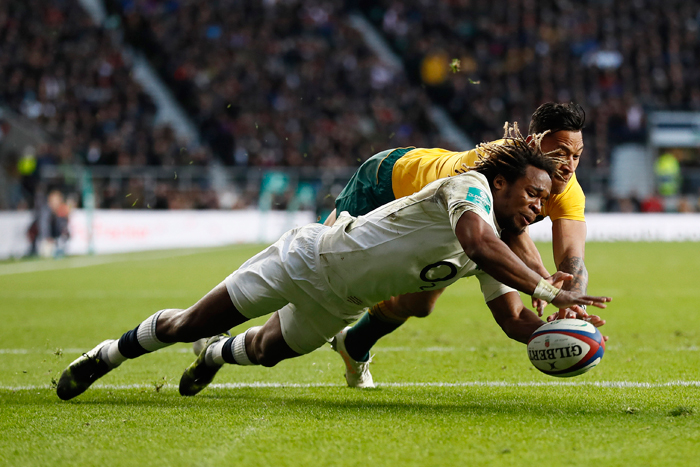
pixel 213 356
pixel 146 341
pixel 239 352
pixel 233 346
pixel 146 334
pixel 111 355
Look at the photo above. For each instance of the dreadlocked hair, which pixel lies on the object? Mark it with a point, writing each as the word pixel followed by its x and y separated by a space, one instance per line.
pixel 511 157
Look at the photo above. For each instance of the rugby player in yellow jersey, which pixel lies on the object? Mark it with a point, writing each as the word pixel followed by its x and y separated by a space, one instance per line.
pixel 400 172
pixel 316 279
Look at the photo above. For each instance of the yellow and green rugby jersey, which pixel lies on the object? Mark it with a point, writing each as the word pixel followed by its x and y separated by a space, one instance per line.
pixel 420 166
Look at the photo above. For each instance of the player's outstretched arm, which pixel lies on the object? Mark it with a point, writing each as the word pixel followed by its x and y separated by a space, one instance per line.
pixel 494 257
pixel 569 246
pixel 523 246
pixel 511 315
pixel 567 299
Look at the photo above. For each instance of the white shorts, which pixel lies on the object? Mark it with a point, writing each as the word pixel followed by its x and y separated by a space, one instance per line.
pixel 284 277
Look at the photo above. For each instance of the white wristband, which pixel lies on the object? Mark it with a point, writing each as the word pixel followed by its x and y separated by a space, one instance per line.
pixel 545 291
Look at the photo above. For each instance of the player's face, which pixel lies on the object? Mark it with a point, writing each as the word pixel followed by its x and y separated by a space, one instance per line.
pixel 570 145
pixel 517 204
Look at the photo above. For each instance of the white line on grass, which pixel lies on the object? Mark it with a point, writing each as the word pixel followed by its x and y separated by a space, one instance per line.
pixel 439 384
pixel 504 384
pixel 86 261
pixel 91 294
pixel 187 350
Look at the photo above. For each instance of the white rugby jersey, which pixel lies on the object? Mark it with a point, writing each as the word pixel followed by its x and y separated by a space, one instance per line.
pixel 408 245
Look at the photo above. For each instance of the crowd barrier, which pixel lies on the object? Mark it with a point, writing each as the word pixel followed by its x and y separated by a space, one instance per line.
pixel 613 227
pixel 120 231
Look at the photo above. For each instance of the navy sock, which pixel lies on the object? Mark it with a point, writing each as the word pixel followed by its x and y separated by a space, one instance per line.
pixel 129 345
pixel 364 334
pixel 227 351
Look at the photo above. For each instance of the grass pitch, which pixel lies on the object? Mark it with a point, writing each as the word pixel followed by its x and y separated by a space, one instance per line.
pixel 453 390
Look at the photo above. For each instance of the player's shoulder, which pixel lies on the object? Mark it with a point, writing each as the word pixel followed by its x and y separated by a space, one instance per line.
pixel 419 153
pixel 471 187
pixel 573 183
pixel 569 204
pixel 470 178
pixel 572 190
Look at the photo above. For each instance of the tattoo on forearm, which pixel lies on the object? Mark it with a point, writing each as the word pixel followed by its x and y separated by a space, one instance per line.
pixel 575 266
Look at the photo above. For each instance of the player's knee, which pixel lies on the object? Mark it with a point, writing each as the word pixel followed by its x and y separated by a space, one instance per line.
pixel 413 305
pixel 415 310
pixel 421 312
pixel 266 357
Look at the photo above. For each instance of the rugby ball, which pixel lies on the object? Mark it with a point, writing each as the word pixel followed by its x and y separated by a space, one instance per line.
pixel 566 347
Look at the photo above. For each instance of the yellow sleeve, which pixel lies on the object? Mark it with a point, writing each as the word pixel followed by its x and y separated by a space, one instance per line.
pixel 421 166
pixel 570 204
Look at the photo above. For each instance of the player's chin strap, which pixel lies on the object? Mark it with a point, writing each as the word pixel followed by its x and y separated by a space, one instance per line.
pixel 545 291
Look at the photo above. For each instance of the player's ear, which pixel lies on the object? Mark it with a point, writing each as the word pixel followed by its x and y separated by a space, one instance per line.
pixel 499 182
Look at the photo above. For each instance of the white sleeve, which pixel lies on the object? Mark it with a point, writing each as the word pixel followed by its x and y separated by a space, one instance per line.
pixel 491 288
pixel 467 192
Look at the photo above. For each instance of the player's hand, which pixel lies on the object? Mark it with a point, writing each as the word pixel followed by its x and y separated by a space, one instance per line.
pixel 566 299
pixel 539 304
pixel 577 312
pixel 558 278
pixel 567 313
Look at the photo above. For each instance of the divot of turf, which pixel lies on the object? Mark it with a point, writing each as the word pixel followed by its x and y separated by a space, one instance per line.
pixel 682 411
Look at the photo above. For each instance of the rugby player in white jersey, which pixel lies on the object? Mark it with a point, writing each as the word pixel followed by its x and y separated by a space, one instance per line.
pixel 317 279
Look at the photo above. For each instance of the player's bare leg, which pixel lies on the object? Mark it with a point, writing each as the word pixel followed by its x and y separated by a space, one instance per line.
pixel 211 315
pixel 266 346
pixel 419 304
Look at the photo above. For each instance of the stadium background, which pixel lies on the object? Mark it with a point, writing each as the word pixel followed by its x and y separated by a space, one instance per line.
pixel 232 105
pixel 228 121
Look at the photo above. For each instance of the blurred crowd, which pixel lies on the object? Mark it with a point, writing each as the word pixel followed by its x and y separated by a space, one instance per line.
pixel 268 84
pixel 61 71
pixel 293 84
pixel 653 203
pixel 617 58
pixel 279 83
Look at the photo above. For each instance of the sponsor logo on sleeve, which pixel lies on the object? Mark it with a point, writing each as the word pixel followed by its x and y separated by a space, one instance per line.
pixel 480 198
